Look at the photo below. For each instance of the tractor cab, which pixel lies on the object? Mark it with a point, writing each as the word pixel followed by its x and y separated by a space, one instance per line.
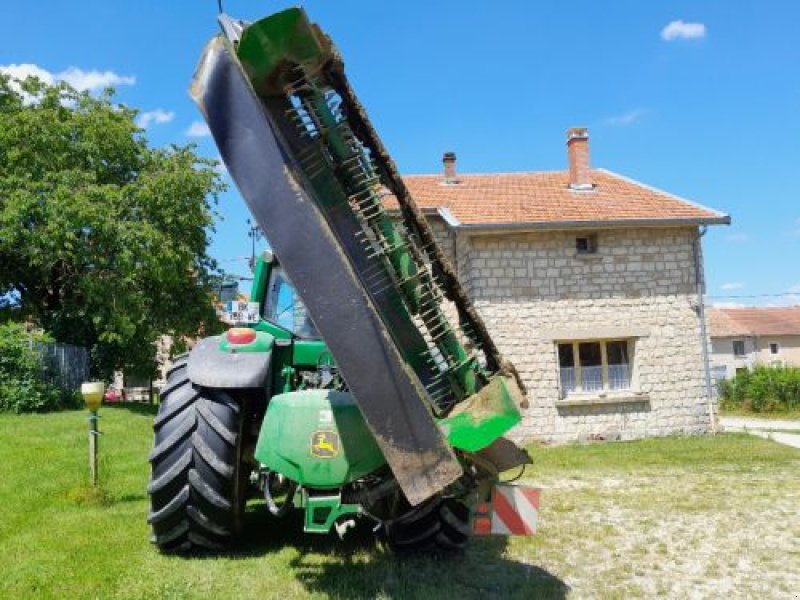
pixel 280 304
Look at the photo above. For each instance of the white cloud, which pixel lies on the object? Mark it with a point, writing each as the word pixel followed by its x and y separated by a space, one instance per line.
pixel 81 80
pixel 93 80
pixel 727 305
pixel 795 289
pixel 25 70
pixel 681 30
pixel 731 286
pixel 21 72
pixel 158 116
pixel 198 129
pixel 628 118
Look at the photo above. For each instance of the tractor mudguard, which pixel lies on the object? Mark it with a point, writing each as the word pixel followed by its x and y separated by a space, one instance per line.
pixel 211 366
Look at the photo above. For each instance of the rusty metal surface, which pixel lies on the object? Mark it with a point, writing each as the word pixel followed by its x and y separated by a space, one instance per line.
pixel 504 454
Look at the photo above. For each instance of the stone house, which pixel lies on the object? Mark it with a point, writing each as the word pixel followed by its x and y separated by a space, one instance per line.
pixel 592 284
pixel 744 337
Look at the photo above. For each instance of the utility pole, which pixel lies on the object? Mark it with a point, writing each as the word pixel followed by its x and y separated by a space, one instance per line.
pixel 254 233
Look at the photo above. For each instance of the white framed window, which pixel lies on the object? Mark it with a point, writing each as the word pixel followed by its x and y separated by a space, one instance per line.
pixel 774 348
pixel 738 348
pixel 719 372
pixel 594 366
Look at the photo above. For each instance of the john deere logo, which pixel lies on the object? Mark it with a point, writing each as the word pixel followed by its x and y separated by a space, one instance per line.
pixel 324 444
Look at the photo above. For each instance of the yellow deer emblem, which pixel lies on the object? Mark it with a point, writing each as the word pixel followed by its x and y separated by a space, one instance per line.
pixel 324 444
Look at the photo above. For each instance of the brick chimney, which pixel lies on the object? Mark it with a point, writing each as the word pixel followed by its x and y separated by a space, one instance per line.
pixel 578 155
pixel 449 160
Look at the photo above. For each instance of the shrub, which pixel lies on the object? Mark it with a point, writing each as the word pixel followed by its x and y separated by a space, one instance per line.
pixel 22 388
pixel 762 389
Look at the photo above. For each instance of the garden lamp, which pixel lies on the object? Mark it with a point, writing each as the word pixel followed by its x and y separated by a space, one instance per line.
pixel 92 392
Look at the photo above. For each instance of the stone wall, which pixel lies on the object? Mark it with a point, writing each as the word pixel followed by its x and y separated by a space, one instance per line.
pixel 535 289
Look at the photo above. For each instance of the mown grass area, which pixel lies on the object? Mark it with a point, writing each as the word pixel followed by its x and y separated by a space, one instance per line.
pixel 671 516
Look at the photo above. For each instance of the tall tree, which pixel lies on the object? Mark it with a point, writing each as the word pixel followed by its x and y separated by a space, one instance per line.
pixel 103 239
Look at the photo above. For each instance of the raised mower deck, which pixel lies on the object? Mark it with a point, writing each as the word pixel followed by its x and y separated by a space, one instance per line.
pixel 314 173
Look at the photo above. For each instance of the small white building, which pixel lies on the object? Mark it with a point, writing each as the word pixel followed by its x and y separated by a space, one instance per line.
pixel 744 337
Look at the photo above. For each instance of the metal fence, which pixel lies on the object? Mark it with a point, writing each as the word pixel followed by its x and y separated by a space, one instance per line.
pixel 64 365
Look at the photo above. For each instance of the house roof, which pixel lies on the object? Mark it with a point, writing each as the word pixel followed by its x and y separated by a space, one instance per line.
pixel 540 199
pixel 722 325
pixel 732 322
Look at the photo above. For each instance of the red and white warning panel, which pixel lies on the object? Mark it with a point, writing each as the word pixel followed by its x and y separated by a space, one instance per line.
pixel 513 510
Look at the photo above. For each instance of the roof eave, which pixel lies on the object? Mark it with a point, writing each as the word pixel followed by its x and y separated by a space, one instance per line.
pixel 587 224
pixel 665 193
pixel 452 221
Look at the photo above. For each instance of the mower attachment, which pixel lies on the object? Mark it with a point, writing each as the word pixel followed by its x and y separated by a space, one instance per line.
pixel 308 163
pixel 387 391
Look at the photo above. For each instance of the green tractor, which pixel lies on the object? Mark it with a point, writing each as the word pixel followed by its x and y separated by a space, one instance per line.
pixel 365 385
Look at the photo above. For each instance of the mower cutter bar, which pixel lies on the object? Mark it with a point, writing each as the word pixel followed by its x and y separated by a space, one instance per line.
pixel 387 390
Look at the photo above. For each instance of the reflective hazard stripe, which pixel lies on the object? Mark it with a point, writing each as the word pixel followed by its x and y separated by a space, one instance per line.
pixel 514 511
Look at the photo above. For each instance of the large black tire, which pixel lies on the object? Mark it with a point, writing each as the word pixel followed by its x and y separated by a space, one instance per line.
pixel 438 525
pixel 197 483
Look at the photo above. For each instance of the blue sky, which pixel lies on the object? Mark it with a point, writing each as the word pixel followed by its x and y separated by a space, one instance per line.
pixel 699 98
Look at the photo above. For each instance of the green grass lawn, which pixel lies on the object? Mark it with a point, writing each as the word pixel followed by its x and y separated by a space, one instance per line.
pixel 677 516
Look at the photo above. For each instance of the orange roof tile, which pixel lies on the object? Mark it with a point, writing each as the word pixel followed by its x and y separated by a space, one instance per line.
pixel 544 198
pixel 730 322
pixel 721 325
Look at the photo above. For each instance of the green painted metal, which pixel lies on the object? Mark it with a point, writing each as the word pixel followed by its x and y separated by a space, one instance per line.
pixel 285 35
pixel 279 333
pixel 317 438
pixel 481 419
pixel 258 290
pixel 286 381
pixel 323 511
pixel 310 353
pixel 288 38
pixel 263 343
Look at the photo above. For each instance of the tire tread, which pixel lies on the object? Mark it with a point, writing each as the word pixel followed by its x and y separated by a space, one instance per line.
pixel 195 496
pixel 440 525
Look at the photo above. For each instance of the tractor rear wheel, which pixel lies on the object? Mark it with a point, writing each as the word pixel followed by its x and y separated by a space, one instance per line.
pixel 438 525
pixel 197 483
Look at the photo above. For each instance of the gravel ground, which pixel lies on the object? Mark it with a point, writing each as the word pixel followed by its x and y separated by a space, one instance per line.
pixel 736 423
pixel 678 532
pixel 781 431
